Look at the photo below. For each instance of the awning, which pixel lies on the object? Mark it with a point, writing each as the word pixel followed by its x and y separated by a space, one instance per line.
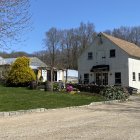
pixel 100 68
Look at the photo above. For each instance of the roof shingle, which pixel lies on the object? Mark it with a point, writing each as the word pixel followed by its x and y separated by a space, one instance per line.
pixel 34 62
pixel 129 48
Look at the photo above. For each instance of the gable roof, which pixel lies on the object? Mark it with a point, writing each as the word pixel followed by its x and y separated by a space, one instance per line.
pixel 9 61
pixel 34 62
pixel 129 48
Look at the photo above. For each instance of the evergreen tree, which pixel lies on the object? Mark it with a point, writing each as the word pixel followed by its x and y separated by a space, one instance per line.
pixel 20 73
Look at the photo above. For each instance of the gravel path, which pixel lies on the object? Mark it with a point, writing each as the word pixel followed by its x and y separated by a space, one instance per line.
pixel 120 121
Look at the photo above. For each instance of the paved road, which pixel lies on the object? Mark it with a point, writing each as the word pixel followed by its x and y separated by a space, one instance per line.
pixel 103 122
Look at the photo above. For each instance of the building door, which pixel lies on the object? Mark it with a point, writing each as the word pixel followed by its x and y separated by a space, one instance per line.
pixel 48 75
pixel 105 78
pixel 101 78
pixel 98 78
pixel 55 76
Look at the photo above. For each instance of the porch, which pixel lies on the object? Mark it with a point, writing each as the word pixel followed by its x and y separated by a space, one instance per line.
pixel 100 73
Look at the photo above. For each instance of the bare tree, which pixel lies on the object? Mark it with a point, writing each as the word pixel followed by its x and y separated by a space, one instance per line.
pixel 131 34
pixel 86 34
pixel 52 45
pixel 66 43
pixel 74 41
pixel 14 18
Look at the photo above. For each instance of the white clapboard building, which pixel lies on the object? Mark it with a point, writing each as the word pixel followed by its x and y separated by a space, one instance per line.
pixel 110 61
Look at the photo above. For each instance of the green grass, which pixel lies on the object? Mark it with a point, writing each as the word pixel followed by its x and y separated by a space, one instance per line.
pixel 12 99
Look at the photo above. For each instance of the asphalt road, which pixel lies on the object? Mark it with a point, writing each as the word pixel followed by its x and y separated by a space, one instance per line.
pixel 119 121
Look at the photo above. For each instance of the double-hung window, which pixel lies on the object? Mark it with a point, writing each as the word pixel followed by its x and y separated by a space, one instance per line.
pixel 112 53
pixel 90 56
pixel 118 78
pixel 134 76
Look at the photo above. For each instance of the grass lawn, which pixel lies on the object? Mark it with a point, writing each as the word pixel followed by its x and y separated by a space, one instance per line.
pixel 12 99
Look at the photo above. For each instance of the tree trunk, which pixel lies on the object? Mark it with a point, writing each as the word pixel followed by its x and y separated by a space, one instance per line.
pixel 66 76
pixel 52 74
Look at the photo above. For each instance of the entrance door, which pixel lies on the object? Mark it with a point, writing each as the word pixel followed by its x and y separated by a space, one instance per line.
pixel 98 78
pixel 101 78
pixel 105 78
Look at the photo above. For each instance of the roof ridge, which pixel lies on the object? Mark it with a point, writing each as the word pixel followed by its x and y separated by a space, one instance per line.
pixel 118 38
pixel 129 47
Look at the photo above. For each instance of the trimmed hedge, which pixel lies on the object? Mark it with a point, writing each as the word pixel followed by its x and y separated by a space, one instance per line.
pixel 109 92
pixel 88 87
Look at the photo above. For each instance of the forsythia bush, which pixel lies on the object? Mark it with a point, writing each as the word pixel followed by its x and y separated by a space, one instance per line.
pixel 20 74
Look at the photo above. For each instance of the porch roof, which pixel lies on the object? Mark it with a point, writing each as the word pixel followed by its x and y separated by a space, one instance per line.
pixel 100 68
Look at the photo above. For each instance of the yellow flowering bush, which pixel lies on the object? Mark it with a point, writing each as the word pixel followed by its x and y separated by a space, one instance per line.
pixel 73 92
pixel 20 73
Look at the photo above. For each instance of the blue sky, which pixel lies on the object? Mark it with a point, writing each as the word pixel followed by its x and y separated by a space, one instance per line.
pixel 64 14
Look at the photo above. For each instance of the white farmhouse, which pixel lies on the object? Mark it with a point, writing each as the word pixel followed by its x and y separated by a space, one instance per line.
pixel 110 61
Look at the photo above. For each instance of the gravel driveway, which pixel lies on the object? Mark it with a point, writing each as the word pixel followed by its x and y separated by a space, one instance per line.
pixel 119 121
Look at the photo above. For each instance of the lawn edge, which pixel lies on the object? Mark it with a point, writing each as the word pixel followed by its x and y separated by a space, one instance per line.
pixel 38 110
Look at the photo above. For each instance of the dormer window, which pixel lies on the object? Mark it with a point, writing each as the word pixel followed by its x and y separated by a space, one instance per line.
pixel 90 56
pixel 112 53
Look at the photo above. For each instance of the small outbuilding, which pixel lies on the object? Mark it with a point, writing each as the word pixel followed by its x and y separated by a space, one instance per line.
pixel 42 71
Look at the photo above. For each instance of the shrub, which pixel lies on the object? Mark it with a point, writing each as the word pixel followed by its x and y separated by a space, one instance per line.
pixel 89 88
pixel 114 93
pixel 55 86
pixel 20 73
pixel 69 88
pixel 73 92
